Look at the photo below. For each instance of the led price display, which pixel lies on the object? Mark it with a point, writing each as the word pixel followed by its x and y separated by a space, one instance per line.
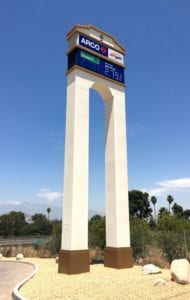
pixel 95 64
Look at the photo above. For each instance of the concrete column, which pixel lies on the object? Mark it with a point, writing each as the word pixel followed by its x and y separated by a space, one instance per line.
pixel 74 255
pixel 118 252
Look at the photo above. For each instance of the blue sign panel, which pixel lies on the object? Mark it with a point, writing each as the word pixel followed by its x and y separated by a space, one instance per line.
pixel 92 45
pixel 96 64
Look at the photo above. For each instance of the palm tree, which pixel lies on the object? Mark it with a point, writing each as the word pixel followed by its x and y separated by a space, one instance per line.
pixel 170 199
pixel 48 211
pixel 154 200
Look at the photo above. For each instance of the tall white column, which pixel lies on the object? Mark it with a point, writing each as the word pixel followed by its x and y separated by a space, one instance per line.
pixel 75 207
pixel 74 254
pixel 117 210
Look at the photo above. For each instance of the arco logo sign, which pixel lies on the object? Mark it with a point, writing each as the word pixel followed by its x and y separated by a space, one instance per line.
pixel 92 45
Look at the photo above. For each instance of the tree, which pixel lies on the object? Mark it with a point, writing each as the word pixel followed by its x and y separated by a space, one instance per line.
pixel 173 223
pixel 139 205
pixel 41 225
pixel 186 214
pixel 48 211
pixel 154 201
pixel 170 199
pixel 177 210
pixel 163 212
pixel 12 224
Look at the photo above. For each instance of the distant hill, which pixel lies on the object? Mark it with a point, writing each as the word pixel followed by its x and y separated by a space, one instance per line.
pixel 31 208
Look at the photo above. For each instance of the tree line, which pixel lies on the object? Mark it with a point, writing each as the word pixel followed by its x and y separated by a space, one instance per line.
pixel 15 224
pixel 140 207
pixel 168 228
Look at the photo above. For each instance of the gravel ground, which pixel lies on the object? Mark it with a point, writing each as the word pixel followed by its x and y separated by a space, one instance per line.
pixel 101 283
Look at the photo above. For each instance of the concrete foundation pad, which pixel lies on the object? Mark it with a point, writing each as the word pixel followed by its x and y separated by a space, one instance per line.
pixel 73 261
pixel 118 258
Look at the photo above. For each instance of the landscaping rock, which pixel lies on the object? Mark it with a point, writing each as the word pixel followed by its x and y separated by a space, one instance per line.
pixel 160 282
pixel 180 271
pixel 139 261
pixel 150 269
pixel 57 260
pixel 19 256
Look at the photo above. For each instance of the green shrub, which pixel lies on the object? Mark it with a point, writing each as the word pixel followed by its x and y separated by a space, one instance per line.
pixel 172 236
pixel 140 237
pixel 54 242
pixel 96 232
pixel 172 244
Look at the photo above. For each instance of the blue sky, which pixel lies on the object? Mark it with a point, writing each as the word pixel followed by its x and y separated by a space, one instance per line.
pixel 33 97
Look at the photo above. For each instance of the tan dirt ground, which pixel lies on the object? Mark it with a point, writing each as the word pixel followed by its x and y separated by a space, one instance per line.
pixel 101 283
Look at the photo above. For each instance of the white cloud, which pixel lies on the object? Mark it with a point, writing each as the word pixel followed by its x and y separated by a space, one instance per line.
pixel 10 202
pixel 169 186
pixel 48 195
pixel 176 183
pixel 156 192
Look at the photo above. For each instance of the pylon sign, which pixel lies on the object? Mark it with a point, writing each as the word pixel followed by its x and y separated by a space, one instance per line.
pixel 95 61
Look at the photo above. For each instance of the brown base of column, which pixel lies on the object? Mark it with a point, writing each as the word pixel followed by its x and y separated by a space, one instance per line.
pixel 73 261
pixel 118 258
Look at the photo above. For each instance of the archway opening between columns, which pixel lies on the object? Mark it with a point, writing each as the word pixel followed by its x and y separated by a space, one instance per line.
pixel 96 154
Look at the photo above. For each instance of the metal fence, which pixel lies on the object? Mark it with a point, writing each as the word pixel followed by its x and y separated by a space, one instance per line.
pixel 145 243
pixel 13 241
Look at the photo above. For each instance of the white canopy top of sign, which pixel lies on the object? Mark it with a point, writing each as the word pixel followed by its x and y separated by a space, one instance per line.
pixel 97 34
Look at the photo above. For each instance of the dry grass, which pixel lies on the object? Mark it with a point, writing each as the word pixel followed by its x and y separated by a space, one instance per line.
pixel 100 283
pixel 155 256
